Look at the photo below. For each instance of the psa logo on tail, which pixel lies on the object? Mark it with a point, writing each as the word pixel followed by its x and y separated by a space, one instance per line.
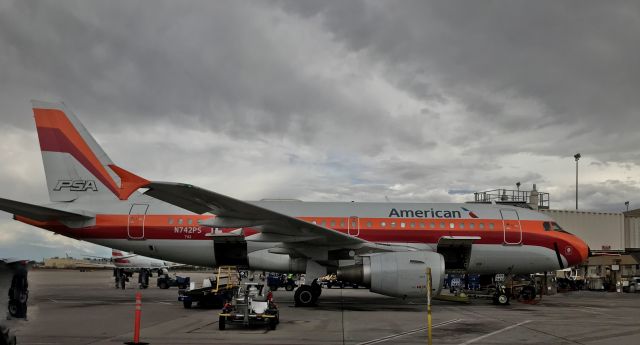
pixel 76 185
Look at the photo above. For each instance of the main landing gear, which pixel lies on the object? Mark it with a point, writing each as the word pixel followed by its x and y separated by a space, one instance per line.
pixel 307 295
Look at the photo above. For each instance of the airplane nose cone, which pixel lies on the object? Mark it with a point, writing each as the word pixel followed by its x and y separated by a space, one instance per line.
pixel 581 252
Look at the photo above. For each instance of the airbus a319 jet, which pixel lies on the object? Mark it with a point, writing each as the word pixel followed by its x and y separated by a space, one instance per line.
pixel 384 246
pixel 134 262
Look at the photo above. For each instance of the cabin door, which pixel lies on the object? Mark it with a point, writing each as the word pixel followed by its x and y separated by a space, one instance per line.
pixel 135 226
pixel 511 227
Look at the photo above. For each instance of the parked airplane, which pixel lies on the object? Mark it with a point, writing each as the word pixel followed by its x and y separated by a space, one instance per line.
pixel 385 246
pixel 126 264
pixel 134 262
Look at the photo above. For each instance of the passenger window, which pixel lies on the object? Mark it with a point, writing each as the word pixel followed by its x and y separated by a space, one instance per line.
pixel 383 224
pixel 491 226
pixel 413 225
pixel 547 226
pixel 472 226
pixel 393 224
pixel 369 224
pixel 442 225
pixel 461 225
pixel 481 226
pixel 189 221
pixel 402 224
pixel 432 225
pixel 314 222
pixel 333 223
pixel 170 221
pixel 342 223
pixel 354 224
pixel 179 221
pixel 323 223
pixel 452 226
pixel 422 225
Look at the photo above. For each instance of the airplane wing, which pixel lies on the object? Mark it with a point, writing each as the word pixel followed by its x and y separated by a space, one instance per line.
pixel 14 262
pixel 230 212
pixel 39 213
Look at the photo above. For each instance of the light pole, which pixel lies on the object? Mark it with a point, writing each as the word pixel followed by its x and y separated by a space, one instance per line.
pixel 518 186
pixel 577 157
pixel 626 203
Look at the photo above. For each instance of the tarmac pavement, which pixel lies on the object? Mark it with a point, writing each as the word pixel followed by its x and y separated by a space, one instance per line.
pixel 72 307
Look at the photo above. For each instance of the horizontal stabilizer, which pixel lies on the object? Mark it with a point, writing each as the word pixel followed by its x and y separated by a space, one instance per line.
pixel 39 213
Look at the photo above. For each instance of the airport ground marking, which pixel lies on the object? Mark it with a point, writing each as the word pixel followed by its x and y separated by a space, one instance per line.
pixel 398 335
pixel 495 332
pixel 552 335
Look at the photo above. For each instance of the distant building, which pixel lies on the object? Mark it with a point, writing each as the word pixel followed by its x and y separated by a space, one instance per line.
pixel 71 263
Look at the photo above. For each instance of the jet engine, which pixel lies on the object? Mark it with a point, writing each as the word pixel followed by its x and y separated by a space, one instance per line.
pixel 398 274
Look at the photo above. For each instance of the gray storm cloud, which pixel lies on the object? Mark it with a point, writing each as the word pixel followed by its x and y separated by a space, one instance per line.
pixel 333 100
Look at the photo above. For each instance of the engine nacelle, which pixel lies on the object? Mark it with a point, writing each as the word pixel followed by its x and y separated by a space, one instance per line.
pixel 398 274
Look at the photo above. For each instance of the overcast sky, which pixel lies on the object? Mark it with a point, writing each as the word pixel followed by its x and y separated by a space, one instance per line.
pixel 329 100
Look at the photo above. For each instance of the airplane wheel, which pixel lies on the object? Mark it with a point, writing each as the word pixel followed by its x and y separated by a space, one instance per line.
pixel 289 287
pixel 528 293
pixel 272 324
pixel 304 296
pixel 13 308
pixel 501 299
pixel 163 285
pixel 186 304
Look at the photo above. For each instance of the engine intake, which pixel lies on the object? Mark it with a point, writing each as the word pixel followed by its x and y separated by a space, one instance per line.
pixel 398 274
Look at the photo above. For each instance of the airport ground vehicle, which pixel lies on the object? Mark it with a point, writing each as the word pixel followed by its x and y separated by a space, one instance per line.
pixel 631 285
pixel 214 292
pixel 277 280
pixel 500 288
pixel 252 305
pixel 331 280
pixel 166 281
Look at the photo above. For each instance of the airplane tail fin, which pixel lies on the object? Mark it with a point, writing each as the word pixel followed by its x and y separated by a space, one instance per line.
pixel 74 163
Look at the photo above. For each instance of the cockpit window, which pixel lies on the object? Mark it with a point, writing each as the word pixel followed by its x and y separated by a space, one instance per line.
pixel 553 226
pixel 558 228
